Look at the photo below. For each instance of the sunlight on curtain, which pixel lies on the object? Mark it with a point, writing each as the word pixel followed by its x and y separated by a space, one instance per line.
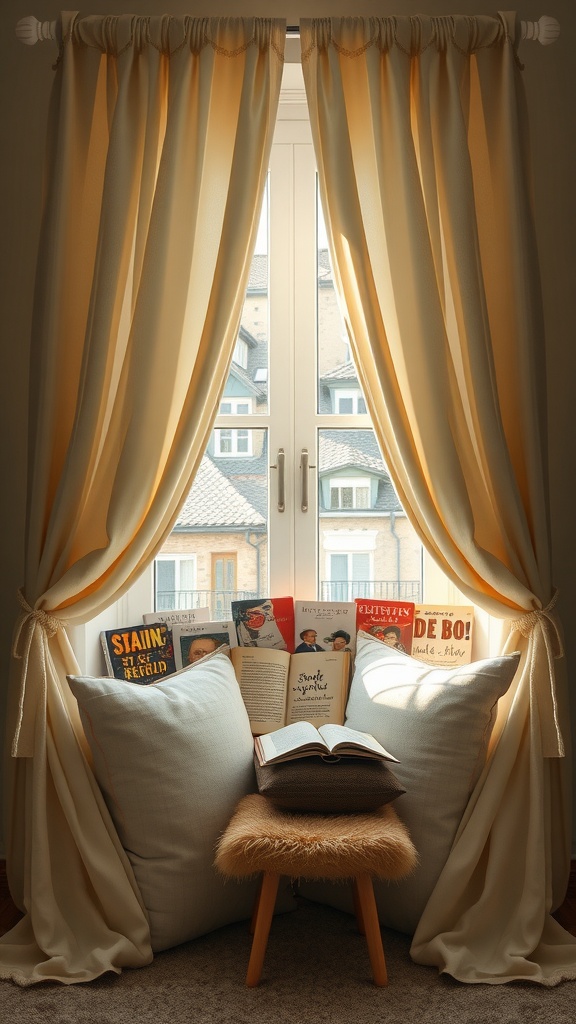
pixel 419 131
pixel 159 137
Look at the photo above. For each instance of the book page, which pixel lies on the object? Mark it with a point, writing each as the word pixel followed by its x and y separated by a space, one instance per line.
pixel 275 745
pixel 318 687
pixel 262 675
pixel 342 734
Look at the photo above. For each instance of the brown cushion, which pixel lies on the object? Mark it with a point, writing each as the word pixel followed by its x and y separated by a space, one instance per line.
pixel 311 784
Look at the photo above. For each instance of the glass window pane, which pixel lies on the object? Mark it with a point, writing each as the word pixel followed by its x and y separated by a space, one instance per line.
pixel 224 525
pixel 248 375
pixel 339 568
pixel 165 584
pixel 336 370
pixel 187 573
pixel 360 566
pixel 366 545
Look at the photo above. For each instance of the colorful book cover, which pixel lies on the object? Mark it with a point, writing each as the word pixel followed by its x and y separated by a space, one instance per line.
pixel 177 615
pixel 265 622
pixel 195 640
pixel 392 622
pixel 443 634
pixel 141 654
pixel 325 625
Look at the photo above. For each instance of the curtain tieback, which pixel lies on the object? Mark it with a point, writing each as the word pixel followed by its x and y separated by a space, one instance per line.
pixel 542 629
pixel 34 626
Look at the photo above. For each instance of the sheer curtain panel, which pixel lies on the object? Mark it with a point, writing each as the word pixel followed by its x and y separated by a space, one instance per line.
pixel 421 142
pixel 158 141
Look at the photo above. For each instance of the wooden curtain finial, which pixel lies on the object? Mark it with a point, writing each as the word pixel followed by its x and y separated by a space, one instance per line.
pixel 546 30
pixel 30 31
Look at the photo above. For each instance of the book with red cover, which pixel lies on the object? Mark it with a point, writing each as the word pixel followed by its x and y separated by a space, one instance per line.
pixel 391 622
pixel 265 622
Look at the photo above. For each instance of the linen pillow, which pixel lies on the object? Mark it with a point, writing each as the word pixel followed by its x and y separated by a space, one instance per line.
pixel 438 722
pixel 173 759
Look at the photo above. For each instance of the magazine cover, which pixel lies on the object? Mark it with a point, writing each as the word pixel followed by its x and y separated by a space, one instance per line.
pixel 193 641
pixel 177 615
pixel 392 622
pixel 325 626
pixel 265 622
pixel 443 634
pixel 141 654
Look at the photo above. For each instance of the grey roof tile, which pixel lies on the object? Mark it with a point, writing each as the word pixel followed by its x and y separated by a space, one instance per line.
pixel 346 371
pixel 258 278
pixel 214 501
pixel 339 449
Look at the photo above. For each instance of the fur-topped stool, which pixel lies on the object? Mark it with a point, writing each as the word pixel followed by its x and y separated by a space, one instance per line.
pixel 261 838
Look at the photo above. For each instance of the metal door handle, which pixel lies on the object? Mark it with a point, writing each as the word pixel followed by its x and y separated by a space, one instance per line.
pixel 279 465
pixel 304 467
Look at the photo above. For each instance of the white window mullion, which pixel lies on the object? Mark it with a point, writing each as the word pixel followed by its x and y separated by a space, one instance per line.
pixel 306 421
pixel 281 375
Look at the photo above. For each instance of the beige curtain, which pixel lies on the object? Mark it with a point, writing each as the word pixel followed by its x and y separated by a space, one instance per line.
pixel 420 136
pixel 159 136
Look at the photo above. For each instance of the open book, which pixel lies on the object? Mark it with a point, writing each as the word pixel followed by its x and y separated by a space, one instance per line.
pixel 302 739
pixel 279 688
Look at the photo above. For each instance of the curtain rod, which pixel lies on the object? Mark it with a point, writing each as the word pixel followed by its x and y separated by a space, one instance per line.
pixel 30 31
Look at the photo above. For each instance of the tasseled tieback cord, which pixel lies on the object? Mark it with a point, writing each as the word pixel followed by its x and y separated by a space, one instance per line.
pixel 30 620
pixel 542 628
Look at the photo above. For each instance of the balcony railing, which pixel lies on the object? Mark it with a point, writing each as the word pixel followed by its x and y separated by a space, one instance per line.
pixel 377 590
pixel 218 601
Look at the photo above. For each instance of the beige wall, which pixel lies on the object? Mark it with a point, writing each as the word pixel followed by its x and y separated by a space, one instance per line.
pixel 205 545
pixel 25 81
pixel 395 548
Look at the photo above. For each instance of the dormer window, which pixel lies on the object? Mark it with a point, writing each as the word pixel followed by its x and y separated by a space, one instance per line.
pixel 349 493
pixel 349 402
pixel 241 353
pixel 232 441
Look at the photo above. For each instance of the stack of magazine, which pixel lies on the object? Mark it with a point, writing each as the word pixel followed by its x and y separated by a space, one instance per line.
pixel 293 659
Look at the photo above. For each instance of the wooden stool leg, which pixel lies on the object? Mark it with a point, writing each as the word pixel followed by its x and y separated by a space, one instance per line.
pixel 266 902
pixel 358 909
pixel 365 894
pixel 256 905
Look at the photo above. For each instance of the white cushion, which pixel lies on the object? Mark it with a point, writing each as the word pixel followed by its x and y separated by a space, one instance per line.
pixel 173 759
pixel 438 722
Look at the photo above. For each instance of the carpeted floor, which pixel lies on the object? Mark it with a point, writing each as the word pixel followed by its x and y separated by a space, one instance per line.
pixel 316 972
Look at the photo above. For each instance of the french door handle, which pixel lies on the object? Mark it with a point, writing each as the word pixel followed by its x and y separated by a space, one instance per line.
pixel 279 465
pixel 304 468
